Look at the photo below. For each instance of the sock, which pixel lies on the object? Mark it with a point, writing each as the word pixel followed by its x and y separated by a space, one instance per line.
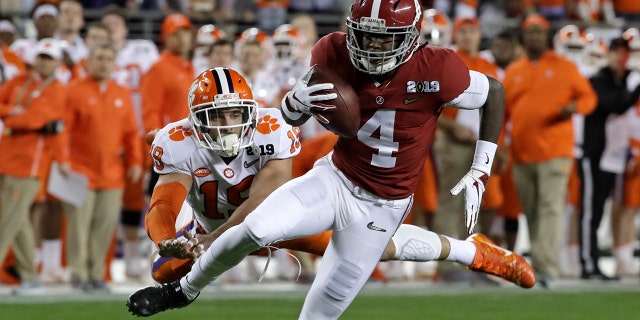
pixel 227 251
pixel 51 254
pixel 623 252
pixel 416 244
pixel 461 251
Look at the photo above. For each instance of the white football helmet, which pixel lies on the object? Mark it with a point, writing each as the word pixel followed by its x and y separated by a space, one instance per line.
pixel 632 35
pixel 436 29
pixel 397 19
pixel 286 41
pixel 215 92
pixel 569 42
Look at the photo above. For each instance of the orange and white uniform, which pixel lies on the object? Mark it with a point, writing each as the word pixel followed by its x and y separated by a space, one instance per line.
pixel 218 187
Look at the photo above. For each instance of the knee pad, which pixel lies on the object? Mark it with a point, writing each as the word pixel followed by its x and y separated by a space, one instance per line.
pixel 416 244
pixel 342 283
pixel 130 217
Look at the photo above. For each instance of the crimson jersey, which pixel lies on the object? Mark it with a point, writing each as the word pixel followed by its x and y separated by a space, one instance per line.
pixel 397 117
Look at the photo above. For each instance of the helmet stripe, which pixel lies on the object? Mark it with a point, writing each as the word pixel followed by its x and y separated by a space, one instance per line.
pixel 214 72
pixel 229 81
pixel 222 81
pixel 375 9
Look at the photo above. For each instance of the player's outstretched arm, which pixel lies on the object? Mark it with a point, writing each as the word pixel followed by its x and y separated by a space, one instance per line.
pixel 270 177
pixel 167 198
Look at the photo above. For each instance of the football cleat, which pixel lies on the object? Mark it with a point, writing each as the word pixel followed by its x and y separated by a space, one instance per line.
pixel 151 300
pixel 500 262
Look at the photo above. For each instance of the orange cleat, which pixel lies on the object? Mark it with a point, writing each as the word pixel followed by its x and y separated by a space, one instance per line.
pixel 500 262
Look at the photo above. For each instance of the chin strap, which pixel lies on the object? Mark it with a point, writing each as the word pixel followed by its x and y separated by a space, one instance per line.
pixel 229 143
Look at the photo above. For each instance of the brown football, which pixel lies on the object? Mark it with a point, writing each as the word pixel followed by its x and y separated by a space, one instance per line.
pixel 344 120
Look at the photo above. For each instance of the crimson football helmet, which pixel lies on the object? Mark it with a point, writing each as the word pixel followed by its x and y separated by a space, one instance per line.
pixel 215 94
pixel 398 19
pixel 436 28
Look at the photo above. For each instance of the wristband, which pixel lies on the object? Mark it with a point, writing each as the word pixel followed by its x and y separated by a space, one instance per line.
pixel 483 157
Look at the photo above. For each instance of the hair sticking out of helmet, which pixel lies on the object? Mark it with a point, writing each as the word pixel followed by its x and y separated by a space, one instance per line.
pixel 436 28
pixel 392 22
pixel 286 41
pixel 222 111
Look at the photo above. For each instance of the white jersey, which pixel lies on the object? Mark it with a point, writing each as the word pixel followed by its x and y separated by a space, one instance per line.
pixel 77 50
pixel 133 61
pixel 220 186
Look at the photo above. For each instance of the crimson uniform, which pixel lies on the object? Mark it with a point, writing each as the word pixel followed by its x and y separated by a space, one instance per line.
pixel 398 118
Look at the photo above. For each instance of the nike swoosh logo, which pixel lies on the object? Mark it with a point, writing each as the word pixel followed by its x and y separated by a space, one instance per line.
pixel 486 154
pixel 250 164
pixel 374 228
pixel 408 101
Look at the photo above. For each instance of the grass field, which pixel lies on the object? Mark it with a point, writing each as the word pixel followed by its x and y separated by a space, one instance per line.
pixel 581 302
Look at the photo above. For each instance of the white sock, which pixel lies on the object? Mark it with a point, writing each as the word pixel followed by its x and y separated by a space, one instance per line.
pixel 227 251
pixel 461 251
pixel 51 254
pixel 623 252
pixel 416 244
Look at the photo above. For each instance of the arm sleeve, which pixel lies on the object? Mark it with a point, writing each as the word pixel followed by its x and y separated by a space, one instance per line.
pixel 475 95
pixel 164 208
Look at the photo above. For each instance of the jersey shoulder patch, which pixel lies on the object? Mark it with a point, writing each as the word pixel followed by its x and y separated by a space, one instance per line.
pixel 271 129
pixel 174 143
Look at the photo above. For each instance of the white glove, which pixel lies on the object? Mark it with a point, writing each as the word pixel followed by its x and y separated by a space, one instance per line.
pixel 473 182
pixel 473 185
pixel 308 99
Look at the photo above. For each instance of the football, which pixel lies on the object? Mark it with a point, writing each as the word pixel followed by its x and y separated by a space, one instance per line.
pixel 344 120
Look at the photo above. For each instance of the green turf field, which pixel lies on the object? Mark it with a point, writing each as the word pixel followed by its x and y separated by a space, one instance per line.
pixel 609 303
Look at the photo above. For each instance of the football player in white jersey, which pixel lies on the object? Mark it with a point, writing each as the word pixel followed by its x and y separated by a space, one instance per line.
pixel 206 36
pixel 133 60
pixel 225 158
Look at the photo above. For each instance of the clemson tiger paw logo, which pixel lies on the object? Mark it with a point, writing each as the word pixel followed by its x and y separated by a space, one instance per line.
pixel 179 133
pixel 267 124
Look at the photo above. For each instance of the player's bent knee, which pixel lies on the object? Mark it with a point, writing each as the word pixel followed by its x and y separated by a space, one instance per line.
pixel 413 243
pixel 343 283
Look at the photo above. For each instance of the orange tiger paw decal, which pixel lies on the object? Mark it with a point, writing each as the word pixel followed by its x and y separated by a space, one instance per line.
pixel 179 133
pixel 267 124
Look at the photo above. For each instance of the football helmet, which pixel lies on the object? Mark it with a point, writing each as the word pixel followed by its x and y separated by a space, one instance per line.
pixel 208 34
pixel 595 51
pixel 436 28
pixel 632 35
pixel 257 35
pixel 399 19
pixel 570 42
pixel 286 43
pixel 214 93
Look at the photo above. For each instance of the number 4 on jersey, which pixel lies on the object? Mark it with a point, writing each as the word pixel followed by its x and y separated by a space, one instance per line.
pixel 382 121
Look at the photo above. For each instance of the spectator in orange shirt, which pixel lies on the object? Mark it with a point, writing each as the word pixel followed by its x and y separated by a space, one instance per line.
pixel 627 9
pixel 167 82
pixel 31 107
pixel 543 90
pixel 99 110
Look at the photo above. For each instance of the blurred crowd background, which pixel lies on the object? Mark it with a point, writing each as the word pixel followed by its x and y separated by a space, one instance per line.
pixel 152 50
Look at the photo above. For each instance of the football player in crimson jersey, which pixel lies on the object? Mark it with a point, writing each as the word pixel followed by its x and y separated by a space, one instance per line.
pixel 363 189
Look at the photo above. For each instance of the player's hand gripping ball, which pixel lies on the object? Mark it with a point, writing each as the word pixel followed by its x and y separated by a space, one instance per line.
pixel 326 96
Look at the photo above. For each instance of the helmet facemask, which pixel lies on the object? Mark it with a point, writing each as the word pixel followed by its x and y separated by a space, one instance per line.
pixel 379 62
pixel 226 125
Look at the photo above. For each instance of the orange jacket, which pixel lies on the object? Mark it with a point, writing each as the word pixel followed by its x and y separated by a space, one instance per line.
pixel 23 152
pixel 165 89
pixel 535 94
pixel 99 126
